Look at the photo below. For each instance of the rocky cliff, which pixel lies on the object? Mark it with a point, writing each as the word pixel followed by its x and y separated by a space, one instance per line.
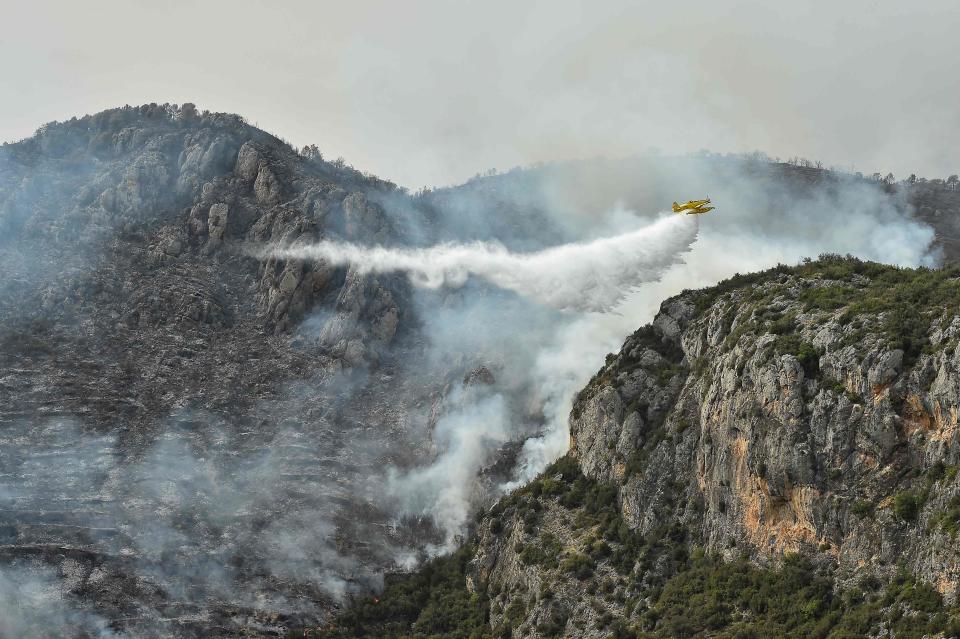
pixel 774 456
pixel 812 409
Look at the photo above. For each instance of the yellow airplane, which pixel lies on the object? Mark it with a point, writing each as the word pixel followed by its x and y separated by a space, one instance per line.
pixel 693 207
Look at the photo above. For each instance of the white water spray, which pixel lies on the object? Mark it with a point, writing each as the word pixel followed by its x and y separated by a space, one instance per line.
pixel 583 276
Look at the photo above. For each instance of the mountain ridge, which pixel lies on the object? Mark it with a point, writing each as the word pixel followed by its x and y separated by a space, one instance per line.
pixel 228 427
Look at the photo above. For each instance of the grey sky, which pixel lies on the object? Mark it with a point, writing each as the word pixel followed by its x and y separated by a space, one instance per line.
pixel 429 93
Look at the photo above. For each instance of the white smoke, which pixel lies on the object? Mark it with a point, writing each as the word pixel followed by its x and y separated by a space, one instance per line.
pixel 591 276
pixel 587 276
pixel 35 602
pixel 445 491
pixel 564 366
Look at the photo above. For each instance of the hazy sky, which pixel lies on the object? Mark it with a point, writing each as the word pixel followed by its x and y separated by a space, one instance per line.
pixel 429 93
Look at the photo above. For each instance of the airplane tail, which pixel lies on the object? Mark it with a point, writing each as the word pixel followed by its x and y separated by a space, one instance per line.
pixel 676 207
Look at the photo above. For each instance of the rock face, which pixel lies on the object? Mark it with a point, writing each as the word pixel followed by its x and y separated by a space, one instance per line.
pixel 810 410
pixel 790 418
pixel 143 344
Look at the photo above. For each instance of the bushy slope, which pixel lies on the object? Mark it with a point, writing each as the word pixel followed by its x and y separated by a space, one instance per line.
pixel 773 457
pixel 602 579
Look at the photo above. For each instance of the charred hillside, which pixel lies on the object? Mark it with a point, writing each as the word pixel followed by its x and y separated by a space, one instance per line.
pixel 195 438
pixel 157 381
pixel 116 242
pixel 773 456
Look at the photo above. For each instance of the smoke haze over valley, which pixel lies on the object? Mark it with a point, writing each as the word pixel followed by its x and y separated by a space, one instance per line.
pixel 243 382
pixel 379 411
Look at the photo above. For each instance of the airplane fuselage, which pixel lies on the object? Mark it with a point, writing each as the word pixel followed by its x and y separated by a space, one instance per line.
pixel 693 207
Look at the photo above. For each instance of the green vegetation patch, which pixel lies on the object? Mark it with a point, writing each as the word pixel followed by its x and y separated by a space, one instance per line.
pixel 907 505
pixel 736 600
pixel 543 552
pixel 671 592
pixel 807 354
pixel 432 602
pixel 908 299
pixel 949 520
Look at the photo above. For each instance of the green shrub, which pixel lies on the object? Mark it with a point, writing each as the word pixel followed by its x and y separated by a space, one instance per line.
pixel 906 505
pixel 785 325
pixel 555 624
pixel 579 565
pixel 431 602
pixel 807 355
pixel 949 520
pixel 542 552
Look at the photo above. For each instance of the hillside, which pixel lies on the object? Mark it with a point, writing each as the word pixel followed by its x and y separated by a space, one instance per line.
pixel 171 375
pixel 222 425
pixel 201 439
pixel 773 456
